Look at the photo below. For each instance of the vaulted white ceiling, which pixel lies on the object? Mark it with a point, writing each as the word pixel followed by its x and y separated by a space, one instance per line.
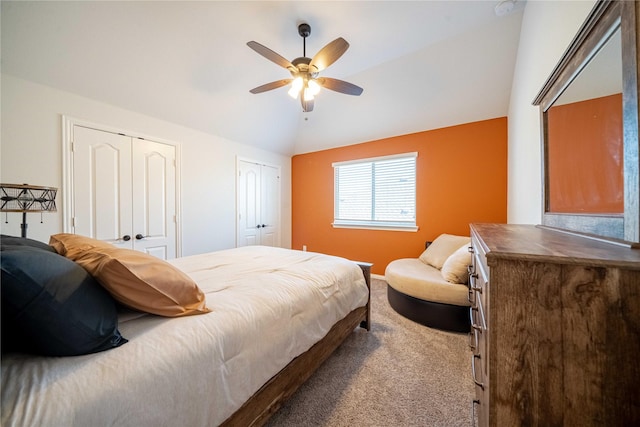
pixel 422 64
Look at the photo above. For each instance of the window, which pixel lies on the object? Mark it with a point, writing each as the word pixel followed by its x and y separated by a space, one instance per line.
pixel 376 193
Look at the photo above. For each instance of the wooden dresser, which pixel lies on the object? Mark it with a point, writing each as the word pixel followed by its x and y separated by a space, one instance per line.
pixel 555 328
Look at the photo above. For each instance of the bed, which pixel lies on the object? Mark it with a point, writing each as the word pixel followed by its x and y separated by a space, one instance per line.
pixel 274 315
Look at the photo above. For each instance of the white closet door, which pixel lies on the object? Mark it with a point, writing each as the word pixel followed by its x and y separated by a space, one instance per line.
pixel 248 203
pixel 258 204
pixel 154 198
pixel 124 191
pixel 270 206
pixel 102 186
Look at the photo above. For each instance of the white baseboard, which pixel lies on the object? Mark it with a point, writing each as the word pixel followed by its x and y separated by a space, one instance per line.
pixel 378 276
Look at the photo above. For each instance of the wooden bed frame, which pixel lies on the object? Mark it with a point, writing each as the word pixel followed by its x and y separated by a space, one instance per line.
pixel 265 402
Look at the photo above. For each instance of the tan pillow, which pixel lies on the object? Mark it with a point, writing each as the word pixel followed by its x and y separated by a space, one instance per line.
pixel 70 245
pixel 442 248
pixel 454 269
pixel 136 279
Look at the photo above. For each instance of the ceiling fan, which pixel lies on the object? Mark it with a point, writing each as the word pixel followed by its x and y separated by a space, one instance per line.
pixel 304 80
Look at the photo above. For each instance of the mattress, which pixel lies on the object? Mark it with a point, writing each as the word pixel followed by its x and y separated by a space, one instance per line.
pixel 268 305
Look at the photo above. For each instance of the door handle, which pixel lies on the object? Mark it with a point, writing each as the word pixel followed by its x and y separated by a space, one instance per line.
pixel 126 237
pixel 139 236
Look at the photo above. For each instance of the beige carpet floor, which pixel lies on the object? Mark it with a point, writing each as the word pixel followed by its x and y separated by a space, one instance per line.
pixel 400 373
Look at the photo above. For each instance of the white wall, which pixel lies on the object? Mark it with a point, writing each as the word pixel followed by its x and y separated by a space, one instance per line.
pixel 547 29
pixel 31 152
pixel 31 140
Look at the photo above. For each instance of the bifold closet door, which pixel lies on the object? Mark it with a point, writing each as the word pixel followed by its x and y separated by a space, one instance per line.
pixel 124 191
pixel 258 204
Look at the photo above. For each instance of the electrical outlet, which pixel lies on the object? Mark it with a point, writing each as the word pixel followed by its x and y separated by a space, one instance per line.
pixel 304 248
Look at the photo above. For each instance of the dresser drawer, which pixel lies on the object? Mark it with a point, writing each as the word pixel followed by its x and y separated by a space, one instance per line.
pixel 479 260
pixel 480 408
pixel 480 404
pixel 477 335
pixel 478 276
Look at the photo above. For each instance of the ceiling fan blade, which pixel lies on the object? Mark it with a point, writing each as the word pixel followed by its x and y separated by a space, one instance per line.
pixel 339 86
pixel 271 55
pixel 329 54
pixel 270 86
pixel 307 106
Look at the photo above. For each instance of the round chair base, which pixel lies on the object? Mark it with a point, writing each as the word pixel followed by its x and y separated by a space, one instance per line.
pixel 454 318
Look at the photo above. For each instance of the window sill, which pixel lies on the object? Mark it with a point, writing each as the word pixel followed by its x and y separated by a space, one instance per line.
pixel 385 227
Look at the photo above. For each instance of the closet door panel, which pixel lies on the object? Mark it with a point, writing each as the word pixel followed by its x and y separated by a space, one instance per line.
pixel 153 187
pixel 270 206
pixel 248 204
pixel 102 190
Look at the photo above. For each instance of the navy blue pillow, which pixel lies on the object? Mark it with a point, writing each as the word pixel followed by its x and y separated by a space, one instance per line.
pixel 51 306
pixel 6 240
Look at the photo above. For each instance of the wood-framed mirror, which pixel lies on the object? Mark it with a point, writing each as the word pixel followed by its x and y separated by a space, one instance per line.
pixel 589 116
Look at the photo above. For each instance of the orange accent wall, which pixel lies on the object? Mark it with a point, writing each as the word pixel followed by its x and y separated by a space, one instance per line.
pixel 461 178
pixel 585 156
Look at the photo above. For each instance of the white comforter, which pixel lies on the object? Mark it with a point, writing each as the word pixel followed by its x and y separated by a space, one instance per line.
pixel 268 306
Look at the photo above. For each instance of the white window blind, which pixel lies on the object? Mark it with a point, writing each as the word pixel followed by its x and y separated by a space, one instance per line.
pixel 376 193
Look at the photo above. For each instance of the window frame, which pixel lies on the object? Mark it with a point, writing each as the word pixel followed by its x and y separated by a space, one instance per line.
pixel 375 224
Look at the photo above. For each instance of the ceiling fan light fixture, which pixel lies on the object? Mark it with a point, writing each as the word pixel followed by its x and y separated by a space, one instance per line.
pixel 296 87
pixel 314 87
pixel 308 94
